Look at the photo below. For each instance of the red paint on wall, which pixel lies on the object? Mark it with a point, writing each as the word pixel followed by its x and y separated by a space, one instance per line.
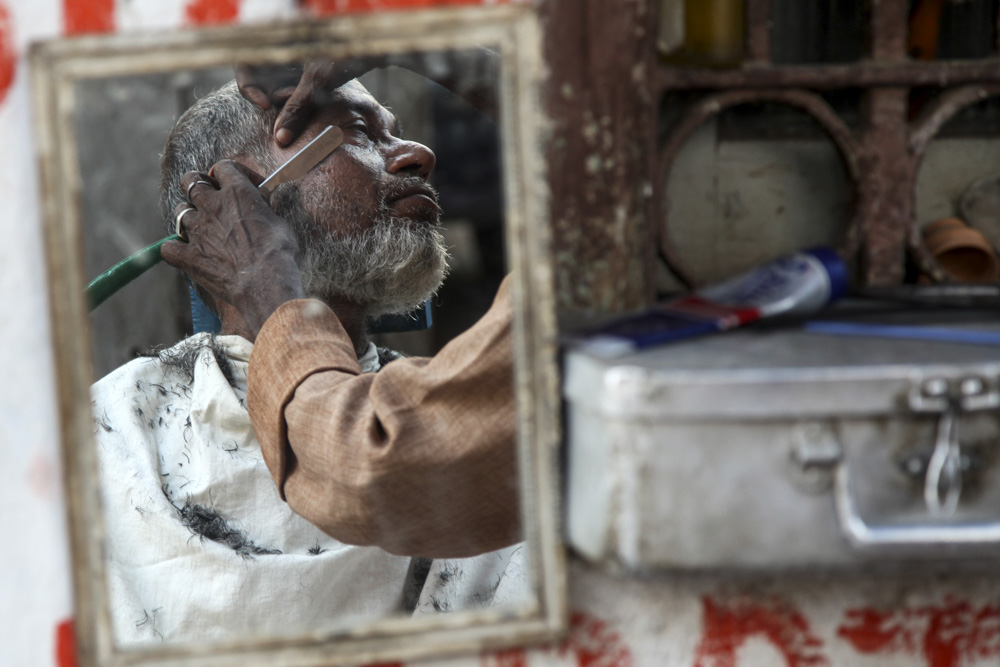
pixel 323 7
pixel 211 12
pixel 514 657
pixel 728 624
pixel 950 634
pixel 8 52
pixel 82 16
pixel 65 644
pixel 593 643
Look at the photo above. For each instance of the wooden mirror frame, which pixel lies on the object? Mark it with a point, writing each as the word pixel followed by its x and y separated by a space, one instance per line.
pixel 56 66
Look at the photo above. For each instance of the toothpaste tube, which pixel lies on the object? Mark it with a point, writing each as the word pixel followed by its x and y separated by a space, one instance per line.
pixel 803 282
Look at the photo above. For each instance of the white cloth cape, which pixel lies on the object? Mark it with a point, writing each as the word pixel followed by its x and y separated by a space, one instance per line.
pixel 178 461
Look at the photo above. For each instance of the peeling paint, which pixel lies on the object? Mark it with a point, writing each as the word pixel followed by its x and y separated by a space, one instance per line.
pixel 593 642
pixel 606 112
pixel 88 16
pixel 327 7
pixel 43 477
pixel 212 12
pixel 639 73
pixel 8 51
pixel 728 624
pixel 949 634
pixel 65 644
pixel 515 657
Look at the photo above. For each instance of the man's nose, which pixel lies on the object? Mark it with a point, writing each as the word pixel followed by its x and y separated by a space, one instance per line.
pixel 408 158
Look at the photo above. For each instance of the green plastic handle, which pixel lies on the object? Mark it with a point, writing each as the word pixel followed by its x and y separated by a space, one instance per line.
pixel 124 272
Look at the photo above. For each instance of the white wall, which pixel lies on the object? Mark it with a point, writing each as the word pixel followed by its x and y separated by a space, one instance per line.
pixel 34 578
pixel 802 621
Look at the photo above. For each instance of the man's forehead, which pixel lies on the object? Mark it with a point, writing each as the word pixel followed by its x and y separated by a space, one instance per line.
pixel 355 88
pixel 352 97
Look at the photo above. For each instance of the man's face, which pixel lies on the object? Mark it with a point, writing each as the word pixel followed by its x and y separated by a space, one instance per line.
pixel 366 218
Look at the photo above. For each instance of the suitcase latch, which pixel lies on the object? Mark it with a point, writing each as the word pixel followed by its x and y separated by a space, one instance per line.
pixel 816 452
pixel 943 471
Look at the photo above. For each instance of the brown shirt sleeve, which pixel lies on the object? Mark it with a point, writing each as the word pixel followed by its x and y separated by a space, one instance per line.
pixel 418 459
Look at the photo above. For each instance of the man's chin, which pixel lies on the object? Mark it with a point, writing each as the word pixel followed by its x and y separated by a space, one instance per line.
pixel 418 219
pixel 405 291
pixel 390 275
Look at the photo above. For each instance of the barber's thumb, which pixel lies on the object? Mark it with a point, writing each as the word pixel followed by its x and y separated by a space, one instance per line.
pixel 173 253
pixel 294 118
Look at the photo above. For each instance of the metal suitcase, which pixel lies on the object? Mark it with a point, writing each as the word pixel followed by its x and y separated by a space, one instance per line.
pixel 771 448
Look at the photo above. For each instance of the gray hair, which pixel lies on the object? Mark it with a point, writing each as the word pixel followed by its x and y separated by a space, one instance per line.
pixel 222 125
pixel 390 267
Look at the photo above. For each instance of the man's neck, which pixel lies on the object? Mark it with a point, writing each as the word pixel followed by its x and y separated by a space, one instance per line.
pixel 352 317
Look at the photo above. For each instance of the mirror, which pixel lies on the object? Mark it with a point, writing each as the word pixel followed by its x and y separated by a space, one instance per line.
pixel 183 549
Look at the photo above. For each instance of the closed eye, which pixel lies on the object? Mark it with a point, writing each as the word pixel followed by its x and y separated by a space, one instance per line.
pixel 359 126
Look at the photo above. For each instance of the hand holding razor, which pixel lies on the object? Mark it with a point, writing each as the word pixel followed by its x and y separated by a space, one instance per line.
pixel 112 280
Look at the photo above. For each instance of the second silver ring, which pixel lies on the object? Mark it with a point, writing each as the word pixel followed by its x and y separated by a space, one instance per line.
pixel 187 193
pixel 179 222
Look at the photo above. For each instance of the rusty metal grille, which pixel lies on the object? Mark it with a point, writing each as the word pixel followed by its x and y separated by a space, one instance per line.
pixel 882 152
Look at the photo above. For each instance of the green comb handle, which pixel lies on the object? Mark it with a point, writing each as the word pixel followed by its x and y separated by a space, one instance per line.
pixel 124 272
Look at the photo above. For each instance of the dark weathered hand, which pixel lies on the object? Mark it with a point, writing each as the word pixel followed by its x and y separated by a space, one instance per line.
pixel 238 248
pixel 267 85
pixel 299 92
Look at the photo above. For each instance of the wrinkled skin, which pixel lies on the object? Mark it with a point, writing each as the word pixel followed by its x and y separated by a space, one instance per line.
pixel 300 92
pixel 245 255
pixel 239 250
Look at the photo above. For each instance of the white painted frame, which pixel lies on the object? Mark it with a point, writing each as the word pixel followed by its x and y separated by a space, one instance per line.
pixel 514 30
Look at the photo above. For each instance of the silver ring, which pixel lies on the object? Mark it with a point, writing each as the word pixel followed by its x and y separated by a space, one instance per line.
pixel 187 193
pixel 179 220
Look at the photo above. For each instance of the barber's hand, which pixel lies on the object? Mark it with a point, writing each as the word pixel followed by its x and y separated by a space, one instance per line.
pixel 299 92
pixel 238 248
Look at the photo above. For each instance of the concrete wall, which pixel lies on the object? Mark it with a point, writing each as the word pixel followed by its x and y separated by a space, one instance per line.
pixel 735 203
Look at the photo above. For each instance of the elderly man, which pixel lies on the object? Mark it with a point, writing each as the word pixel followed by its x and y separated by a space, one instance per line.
pixel 201 544
pixel 423 460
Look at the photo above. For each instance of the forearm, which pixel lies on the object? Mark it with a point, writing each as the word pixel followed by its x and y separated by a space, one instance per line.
pixel 411 469
pixel 417 459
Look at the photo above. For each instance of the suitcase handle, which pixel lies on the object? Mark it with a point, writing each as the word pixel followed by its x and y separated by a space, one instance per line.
pixel 862 535
pixel 943 480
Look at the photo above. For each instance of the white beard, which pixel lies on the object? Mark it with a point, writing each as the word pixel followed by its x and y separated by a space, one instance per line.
pixel 391 266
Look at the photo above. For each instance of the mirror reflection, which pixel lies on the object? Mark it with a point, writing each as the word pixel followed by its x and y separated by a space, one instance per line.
pixel 285 445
